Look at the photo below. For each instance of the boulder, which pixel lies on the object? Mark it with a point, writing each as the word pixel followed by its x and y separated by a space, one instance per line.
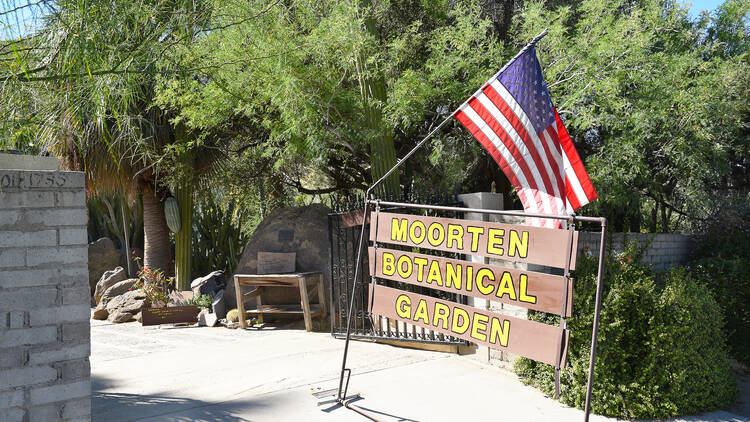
pixel 103 256
pixel 218 305
pixel 115 290
pixel 209 284
pixel 100 314
pixel 129 302
pixel 303 230
pixel 109 279
pixel 119 317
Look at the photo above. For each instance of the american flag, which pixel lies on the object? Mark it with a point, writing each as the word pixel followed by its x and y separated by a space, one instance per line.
pixel 513 118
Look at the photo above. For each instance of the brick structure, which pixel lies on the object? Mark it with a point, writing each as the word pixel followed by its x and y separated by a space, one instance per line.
pixel 663 252
pixel 44 297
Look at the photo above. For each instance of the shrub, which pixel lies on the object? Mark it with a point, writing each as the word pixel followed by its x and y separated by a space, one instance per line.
pixel 722 263
pixel 729 281
pixel 642 353
pixel 203 301
pixel 688 358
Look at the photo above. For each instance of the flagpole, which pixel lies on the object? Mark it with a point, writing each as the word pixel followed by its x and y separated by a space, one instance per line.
pixel 341 395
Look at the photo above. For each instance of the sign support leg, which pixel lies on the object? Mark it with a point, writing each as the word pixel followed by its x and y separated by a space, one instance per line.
pixel 595 330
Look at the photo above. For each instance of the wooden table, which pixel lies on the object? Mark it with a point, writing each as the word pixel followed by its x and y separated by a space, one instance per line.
pixel 292 280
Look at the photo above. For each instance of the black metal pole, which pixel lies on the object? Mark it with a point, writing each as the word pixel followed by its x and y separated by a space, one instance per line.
pixel 595 329
pixel 362 241
pixel 342 394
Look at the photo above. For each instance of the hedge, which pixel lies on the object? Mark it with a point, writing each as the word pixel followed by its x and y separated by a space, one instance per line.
pixel 661 350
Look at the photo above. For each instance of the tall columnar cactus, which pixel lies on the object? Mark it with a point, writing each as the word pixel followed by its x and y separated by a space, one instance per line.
pixel 183 238
pixel 373 93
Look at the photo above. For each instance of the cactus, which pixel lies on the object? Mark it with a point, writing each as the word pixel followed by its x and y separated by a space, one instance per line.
pixel 172 214
pixel 232 315
pixel 183 239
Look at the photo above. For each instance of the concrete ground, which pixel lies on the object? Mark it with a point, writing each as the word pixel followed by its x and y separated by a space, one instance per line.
pixel 216 374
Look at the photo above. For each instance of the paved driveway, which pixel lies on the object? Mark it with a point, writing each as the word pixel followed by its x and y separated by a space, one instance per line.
pixel 216 374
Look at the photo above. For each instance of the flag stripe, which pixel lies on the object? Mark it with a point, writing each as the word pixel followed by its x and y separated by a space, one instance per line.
pixel 576 164
pixel 520 137
pixel 512 107
pixel 513 118
pixel 516 148
pixel 514 168
pixel 496 155
pixel 515 114
pixel 554 154
pixel 571 195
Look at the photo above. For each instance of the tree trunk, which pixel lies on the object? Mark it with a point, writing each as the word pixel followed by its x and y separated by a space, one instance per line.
pixel 156 248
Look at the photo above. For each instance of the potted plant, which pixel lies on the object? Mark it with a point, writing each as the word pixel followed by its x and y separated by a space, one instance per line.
pixel 158 309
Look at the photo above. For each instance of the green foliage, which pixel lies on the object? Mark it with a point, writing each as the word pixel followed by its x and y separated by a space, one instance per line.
pixel 722 264
pixel 688 362
pixel 218 238
pixel 105 219
pixel 155 285
pixel 658 105
pixel 204 301
pixel 293 72
pixel 655 341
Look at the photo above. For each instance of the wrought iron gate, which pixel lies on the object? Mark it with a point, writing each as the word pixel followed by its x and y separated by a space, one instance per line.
pixel 344 226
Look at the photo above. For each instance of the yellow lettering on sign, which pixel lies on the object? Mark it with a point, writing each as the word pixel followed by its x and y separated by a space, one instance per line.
pixel 435 274
pixel 398 229
pixel 498 334
pixel 469 278
pixel 417 239
pixel 475 233
pixel 495 238
pixel 479 322
pixel 523 296
pixel 482 275
pixel 404 270
pixel 389 267
pixel 403 306
pixel 421 312
pixel 518 245
pixel 435 240
pixel 453 275
pixel 441 313
pixel 506 287
pixel 420 263
pixel 455 236
pixel 464 325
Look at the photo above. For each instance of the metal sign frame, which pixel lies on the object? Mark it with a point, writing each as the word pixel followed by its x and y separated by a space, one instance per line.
pixel 345 374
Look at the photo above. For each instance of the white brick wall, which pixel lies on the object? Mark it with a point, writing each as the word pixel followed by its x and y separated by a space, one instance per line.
pixel 663 252
pixel 44 297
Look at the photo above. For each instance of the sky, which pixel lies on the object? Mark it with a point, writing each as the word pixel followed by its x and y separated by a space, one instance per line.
pixel 698 5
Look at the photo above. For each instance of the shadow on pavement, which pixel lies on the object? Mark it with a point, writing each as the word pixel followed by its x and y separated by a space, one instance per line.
pixel 110 406
pixel 367 412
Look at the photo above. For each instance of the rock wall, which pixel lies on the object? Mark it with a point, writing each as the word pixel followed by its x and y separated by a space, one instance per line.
pixel 303 230
pixel 44 297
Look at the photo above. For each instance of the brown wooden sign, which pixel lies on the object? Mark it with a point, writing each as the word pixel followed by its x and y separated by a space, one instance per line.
pixel 541 342
pixel 537 291
pixel 533 245
pixel 169 315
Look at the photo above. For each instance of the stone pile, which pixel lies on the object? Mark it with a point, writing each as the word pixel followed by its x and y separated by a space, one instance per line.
pixel 115 301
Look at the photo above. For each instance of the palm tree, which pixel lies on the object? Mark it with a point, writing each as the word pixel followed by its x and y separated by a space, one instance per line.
pixel 94 67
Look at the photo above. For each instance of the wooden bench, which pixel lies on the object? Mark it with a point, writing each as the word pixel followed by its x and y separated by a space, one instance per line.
pixel 300 281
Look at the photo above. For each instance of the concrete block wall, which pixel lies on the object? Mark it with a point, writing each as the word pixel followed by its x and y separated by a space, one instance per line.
pixel 664 251
pixel 44 297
